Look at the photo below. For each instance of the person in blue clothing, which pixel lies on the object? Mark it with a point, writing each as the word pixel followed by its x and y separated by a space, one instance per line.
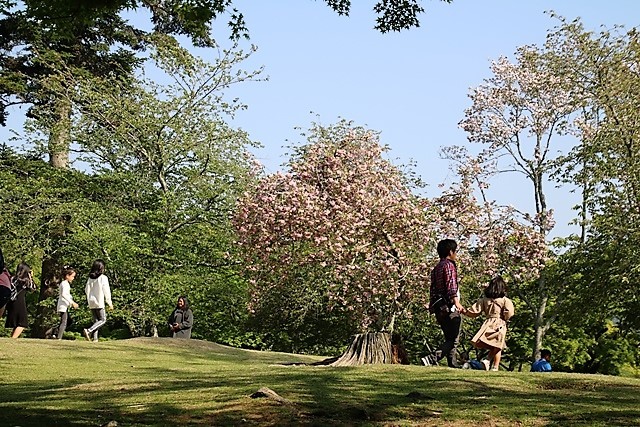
pixel 542 364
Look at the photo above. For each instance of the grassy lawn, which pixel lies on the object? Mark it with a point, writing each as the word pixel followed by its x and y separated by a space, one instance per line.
pixel 164 382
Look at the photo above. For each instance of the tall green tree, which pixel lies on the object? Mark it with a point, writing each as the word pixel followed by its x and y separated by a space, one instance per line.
pixel 163 153
pixel 33 42
pixel 606 164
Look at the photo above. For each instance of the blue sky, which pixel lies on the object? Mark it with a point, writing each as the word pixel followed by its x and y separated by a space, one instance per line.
pixel 411 86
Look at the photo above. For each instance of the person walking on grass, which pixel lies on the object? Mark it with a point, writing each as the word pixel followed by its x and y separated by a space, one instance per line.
pixel 17 318
pixel 5 285
pixel 498 309
pixel 98 292
pixel 65 300
pixel 444 302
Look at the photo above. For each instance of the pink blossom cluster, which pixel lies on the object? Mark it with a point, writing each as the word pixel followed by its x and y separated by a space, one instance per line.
pixel 344 215
pixel 344 223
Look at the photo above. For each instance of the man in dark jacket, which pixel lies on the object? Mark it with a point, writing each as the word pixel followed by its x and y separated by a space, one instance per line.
pixel 181 319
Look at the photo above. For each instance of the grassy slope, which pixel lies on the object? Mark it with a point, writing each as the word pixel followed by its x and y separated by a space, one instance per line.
pixel 162 382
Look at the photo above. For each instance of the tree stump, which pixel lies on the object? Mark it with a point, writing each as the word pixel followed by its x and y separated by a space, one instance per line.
pixel 366 349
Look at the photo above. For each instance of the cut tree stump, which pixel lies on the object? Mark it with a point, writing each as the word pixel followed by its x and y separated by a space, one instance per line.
pixel 367 349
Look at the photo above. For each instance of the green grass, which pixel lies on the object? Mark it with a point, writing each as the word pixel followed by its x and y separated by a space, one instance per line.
pixel 165 382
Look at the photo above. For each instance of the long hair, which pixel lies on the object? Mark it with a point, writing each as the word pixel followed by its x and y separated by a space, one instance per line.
pixel 23 277
pixel 497 288
pixel 186 302
pixel 97 269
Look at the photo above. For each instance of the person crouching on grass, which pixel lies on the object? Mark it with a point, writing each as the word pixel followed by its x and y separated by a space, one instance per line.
pixel 498 309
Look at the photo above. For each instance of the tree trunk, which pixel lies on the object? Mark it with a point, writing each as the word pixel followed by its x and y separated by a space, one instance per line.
pixel 540 325
pixel 48 286
pixel 58 146
pixel 59 136
pixel 366 349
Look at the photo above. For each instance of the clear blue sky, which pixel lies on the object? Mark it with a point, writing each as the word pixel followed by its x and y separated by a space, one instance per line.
pixel 411 86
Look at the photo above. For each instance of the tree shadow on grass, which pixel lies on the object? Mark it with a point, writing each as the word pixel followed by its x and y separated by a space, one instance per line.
pixel 318 396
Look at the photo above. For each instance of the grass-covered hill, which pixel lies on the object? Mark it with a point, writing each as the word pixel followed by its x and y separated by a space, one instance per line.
pixel 166 382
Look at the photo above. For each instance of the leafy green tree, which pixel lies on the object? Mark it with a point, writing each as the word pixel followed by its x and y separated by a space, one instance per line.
pixel 607 162
pixel 167 171
pixel 34 41
pixel 391 15
pixel 48 211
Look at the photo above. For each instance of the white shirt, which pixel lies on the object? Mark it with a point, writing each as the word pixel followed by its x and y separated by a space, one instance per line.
pixel 98 291
pixel 65 300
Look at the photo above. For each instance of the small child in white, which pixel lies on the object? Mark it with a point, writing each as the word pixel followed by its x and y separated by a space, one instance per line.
pixel 65 300
pixel 498 309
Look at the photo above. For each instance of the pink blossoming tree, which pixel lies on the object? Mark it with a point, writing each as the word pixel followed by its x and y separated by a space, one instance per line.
pixel 342 230
pixel 341 227
pixel 520 115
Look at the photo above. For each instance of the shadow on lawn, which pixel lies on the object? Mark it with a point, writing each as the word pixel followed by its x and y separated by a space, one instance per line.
pixel 322 396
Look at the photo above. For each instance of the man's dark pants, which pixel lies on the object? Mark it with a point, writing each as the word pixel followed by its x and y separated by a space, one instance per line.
pixel 450 325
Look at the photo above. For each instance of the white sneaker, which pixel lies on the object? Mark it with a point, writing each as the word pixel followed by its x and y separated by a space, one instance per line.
pixel 486 364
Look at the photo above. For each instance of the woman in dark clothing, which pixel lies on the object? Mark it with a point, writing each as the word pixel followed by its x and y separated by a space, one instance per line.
pixel 5 285
pixel 17 309
pixel 181 320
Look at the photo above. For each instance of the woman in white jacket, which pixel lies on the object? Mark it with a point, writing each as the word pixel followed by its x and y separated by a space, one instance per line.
pixel 98 292
pixel 65 300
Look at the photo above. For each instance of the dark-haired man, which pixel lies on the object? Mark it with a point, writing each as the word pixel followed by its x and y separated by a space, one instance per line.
pixel 544 363
pixel 444 302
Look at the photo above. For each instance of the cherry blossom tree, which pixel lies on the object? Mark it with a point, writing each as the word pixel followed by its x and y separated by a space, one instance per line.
pixel 342 230
pixel 341 227
pixel 577 96
pixel 520 115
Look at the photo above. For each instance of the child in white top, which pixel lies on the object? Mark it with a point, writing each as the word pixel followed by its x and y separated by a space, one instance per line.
pixel 65 300
pixel 98 292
